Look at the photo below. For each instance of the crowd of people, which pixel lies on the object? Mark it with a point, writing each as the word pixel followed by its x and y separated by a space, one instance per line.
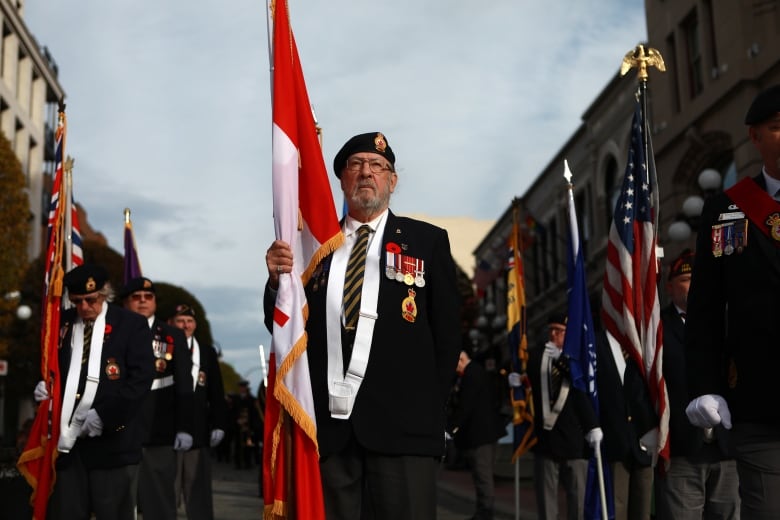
pixel 137 423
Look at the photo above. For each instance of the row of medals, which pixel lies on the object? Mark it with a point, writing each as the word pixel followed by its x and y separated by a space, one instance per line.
pixel 405 275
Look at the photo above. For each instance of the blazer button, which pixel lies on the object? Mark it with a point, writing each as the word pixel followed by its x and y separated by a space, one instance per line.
pixel 629 418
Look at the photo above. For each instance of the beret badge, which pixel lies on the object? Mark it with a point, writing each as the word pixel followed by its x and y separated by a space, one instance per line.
pixel 90 286
pixel 380 143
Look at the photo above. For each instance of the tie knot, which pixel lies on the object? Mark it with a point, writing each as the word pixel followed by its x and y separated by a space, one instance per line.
pixel 363 230
pixel 88 324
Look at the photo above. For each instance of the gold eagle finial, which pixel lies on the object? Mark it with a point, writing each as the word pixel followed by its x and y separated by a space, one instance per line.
pixel 641 57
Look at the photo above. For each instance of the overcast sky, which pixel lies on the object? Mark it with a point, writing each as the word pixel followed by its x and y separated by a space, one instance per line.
pixel 169 114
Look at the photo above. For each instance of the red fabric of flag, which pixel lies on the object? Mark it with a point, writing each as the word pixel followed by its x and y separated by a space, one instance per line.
pixel 304 217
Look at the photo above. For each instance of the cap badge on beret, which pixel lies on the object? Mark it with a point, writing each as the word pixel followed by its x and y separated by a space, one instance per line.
pixel 147 284
pixel 91 284
pixel 380 143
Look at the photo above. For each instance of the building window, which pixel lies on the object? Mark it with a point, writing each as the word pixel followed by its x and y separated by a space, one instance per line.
pixel 693 54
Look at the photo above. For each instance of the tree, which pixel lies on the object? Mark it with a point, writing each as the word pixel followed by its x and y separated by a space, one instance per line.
pixel 14 237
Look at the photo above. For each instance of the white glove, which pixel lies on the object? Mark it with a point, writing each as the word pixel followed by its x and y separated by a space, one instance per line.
pixel 649 443
pixel 41 393
pixel 183 441
pixel 594 437
pixel 93 424
pixel 707 411
pixel 216 436
pixel 515 379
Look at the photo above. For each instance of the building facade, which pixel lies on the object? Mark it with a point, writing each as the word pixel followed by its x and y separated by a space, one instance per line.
pixel 29 97
pixel 718 56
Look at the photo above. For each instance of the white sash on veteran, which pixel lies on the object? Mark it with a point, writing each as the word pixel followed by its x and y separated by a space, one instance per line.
pixel 70 419
pixel 343 388
pixel 550 414
pixel 195 351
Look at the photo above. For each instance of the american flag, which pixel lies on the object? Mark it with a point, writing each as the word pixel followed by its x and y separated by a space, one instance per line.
pixel 630 307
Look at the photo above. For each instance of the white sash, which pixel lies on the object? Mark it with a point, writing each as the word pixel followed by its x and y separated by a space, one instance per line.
pixel 343 389
pixel 70 419
pixel 195 361
pixel 550 415
pixel 617 355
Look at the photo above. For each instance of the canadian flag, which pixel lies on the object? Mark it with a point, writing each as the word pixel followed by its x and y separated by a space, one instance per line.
pixel 304 217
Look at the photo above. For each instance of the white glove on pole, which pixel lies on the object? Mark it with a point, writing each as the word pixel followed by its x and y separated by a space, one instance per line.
pixel 649 443
pixel 707 411
pixel 41 393
pixel 594 437
pixel 216 436
pixel 514 379
pixel 93 424
pixel 183 441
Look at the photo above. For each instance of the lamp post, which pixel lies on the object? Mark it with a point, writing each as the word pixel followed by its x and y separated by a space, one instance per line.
pixel 709 180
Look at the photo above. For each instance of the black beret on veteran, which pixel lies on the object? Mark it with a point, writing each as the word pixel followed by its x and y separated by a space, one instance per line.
pixel 556 319
pixel 183 310
pixel 374 142
pixel 765 105
pixel 85 279
pixel 139 283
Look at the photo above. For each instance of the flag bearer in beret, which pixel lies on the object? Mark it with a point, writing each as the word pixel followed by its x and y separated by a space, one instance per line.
pixel 107 369
pixel 380 436
pixel 193 476
pixel 566 427
pixel 731 330
pixel 168 409
pixel 701 481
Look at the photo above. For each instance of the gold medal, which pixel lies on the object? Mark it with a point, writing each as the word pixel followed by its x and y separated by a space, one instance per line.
pixel 168 356
pixel 160 364
pixel 409 279
pixel 409 307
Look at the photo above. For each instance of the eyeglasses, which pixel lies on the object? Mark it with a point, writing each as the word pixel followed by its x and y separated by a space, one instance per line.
pixel 355 164
pixel 557 329
pixel 138 296
pixel 91 300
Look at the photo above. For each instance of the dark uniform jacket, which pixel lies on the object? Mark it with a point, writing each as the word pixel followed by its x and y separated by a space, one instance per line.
pixel 732 323
pixel 475 415
pixel 684 438
pixel 210 408
pixel 169 407
pixel 566 440
pixel 400 406
pixel 626 411
pixel 126 375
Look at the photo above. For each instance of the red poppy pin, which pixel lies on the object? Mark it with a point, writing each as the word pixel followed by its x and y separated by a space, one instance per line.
pixel 108 329
pixel 392 247
pixel 169 340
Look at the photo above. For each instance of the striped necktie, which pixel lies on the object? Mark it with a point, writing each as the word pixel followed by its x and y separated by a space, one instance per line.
pixel 87 340
pixel 353 279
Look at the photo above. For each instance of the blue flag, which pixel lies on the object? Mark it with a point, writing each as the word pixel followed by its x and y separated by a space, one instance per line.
pixel 580 347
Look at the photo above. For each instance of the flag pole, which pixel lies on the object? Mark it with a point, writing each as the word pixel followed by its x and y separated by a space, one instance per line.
pixel 643 57
pixel 575 238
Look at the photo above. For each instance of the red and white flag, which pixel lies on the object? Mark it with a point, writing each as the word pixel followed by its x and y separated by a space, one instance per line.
pixel 630 307
pixel 305 217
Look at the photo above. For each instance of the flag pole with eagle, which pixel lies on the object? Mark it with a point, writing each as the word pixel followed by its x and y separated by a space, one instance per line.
pixel 63 252
pixel 304 217
pixel 630 299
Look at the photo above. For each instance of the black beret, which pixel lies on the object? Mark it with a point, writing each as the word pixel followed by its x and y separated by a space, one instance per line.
pixel 374 142
pixel 683 264
pixel 136 284
pixel 184 310
pixel 85 279
pixel 765 105
pixel 556 319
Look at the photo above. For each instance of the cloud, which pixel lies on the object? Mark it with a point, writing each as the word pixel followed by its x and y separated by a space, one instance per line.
pixel 169 114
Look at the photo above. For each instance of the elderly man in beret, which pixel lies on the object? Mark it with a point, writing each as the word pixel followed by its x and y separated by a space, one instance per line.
pixel 701 480
pixel 107 368
pixel 732 352
pixel 193 475
pixel 380 421
pixel 168 409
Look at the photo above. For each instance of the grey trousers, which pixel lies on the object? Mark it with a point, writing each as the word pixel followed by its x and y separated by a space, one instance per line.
pixel 757 450
pixel 481 462
pixel 572 475
pixel 156 483
pixel 193 482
